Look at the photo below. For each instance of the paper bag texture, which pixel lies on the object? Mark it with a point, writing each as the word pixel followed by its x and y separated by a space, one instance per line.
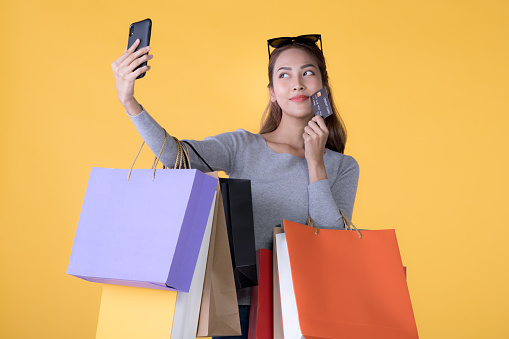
pixel 346 286
pixel 278 318
pixel 219 313
pixel 261 318
pixel 187 307
pixel 142 232
pixel 290 315
pixel 132 313
pixel 238 207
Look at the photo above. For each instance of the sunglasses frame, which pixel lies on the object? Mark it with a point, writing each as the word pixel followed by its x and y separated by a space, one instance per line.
pixel 304 39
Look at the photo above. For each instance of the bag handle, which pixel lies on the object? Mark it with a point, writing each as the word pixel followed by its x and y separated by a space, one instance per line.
pixel 182 161
pixel 198 154
pixel 348 224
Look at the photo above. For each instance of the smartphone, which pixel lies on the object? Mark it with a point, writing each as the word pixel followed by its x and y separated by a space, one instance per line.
pixel 140 30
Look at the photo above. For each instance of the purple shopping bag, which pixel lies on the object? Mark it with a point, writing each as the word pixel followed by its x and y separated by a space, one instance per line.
pixel 142 232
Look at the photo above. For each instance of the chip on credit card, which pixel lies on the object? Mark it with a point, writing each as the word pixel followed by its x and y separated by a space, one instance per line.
pixel 321 104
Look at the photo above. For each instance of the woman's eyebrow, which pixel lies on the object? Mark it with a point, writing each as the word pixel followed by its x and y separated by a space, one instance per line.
pixel 285 68
pixel 301 67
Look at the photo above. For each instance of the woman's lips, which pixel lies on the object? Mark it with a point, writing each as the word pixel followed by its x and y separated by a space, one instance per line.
pixel 299 98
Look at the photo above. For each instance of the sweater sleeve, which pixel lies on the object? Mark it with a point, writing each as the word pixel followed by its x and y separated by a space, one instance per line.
pixel 217 151
pixel 326 199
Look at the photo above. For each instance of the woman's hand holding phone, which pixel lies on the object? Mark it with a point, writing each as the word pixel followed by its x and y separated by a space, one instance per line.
pixel 125 75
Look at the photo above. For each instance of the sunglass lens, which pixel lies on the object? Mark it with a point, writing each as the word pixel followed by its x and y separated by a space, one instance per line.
pixel 307 39
pixel 279 42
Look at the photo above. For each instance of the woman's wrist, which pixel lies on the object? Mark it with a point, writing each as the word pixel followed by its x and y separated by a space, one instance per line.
pixel 316 171
pixel 132 107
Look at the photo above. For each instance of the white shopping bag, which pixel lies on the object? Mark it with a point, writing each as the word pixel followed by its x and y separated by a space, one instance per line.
pixel 187 308
pixel 291 326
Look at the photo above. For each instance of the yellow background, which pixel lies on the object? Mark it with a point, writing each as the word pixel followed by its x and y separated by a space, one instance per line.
pixel 422 86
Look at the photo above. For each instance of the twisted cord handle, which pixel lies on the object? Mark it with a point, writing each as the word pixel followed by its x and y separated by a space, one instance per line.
pixel 182 161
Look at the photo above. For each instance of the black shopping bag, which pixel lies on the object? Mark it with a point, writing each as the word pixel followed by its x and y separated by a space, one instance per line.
pixel 238 209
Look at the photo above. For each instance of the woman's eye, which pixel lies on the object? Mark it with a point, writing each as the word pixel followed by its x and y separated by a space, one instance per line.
pixel 308 73
pixel 283 75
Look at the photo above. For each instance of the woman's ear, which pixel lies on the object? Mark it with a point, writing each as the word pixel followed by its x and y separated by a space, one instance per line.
pixel 272 95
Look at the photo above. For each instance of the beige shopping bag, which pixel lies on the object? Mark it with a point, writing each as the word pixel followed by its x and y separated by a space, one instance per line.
pixel 219 313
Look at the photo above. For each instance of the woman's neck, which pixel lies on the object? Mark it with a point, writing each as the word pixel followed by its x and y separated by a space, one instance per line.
pixel 287 137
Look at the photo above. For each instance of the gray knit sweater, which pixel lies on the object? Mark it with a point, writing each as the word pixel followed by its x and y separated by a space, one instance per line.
pixel 279 181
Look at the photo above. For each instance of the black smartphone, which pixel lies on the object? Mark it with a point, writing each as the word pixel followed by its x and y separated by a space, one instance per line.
pixel 140 30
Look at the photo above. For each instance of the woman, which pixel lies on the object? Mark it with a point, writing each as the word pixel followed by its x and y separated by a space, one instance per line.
pixel 296 163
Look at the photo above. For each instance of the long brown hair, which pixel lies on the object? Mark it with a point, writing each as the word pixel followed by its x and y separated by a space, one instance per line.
pixel 272 114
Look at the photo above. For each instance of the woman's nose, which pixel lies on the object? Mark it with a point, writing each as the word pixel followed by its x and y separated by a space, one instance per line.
pixel 298 86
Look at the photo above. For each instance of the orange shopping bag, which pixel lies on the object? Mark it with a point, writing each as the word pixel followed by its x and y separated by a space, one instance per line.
pixel 348 286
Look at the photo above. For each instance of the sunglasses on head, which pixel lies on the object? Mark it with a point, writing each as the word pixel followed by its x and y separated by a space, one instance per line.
pixel 308 39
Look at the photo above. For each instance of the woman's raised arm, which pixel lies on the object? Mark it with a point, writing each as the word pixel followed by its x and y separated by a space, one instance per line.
pixel 217 150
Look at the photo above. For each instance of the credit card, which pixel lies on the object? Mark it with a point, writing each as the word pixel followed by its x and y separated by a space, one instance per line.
pixel 321 104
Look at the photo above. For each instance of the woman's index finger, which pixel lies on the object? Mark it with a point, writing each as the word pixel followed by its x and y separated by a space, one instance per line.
pixel 135 44
pixel 128 51
pixel 320 121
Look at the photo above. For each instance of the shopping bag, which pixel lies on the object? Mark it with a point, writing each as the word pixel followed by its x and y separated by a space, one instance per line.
pixel 278 318
pixel 142 232
pixel 132 313
pixel 261 311
pixel 346 285
pixel 238 208
pixel 187 307
pixel 289 314
pixel 219 312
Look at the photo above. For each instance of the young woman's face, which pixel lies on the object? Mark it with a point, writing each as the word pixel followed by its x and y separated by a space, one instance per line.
pixel 296 77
